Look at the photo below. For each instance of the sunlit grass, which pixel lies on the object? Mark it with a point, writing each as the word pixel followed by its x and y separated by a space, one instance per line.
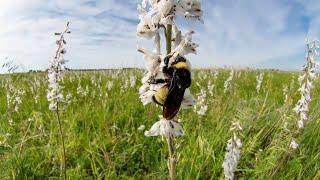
pixel 102 139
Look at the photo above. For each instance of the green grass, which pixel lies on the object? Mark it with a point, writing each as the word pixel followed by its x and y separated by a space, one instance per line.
pixel 102 140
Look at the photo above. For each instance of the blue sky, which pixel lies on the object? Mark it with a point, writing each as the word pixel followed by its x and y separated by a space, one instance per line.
pixel 255 33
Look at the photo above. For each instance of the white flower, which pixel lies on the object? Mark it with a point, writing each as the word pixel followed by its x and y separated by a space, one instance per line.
pixel 141 128
pixel 201 107
pixel 259 82
pixel 294 144
pixel 285 93
pixel 169 9
pixel 210 88
pixel 133 81
pixel 188 100
pixel 55 72
pixel 165 128
pixel 149 23
pixel 153 65
pixel 81 91
pixel 186 46
pixel 109 85
pixel 14 98
pixel 306 80
pixel 203 110
pixel 232 157
pixel 227 82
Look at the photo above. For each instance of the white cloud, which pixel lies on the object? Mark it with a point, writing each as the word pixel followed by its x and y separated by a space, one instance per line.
pixel 248 32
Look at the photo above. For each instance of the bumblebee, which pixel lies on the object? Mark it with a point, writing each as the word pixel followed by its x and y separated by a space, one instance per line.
pixel 170 96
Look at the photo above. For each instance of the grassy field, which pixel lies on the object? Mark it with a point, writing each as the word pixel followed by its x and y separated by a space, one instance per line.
pixel 102 114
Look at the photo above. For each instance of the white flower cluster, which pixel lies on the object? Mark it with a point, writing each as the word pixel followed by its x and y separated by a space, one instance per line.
pixel 165 128
pixel 154 15
pixel 210 88
pixel 4 140
pixel 133 81
pixel 201 107
pixel 285 93
pixel 55 71
pixel 294 144
pixel 306 82
pixel 14 98
pixel 163 12
pixel 34 90
pixel 232 155
pixel 109 85
pixel 227 83
pixel 82 92
pixel 259 82
pixel 215 74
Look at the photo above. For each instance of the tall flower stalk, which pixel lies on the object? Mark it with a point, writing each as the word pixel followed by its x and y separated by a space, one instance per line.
pixel 155 16
pixel 306 82
pixel 233 150
pixel 54 94
pixel 259 82
pixel 227 83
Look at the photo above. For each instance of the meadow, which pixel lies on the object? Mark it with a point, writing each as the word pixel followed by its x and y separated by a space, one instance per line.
pixel 103 121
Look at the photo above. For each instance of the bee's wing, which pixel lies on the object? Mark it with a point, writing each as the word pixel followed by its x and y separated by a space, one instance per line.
pixel 173 101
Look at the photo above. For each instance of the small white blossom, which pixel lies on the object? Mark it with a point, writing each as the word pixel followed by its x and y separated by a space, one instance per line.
pixel 109 85
pixel 141 128
pixel 210 88
pixel 165 128
pixel 227 83
pixel 285 94
pixel 294 144
pixel 259 82
pixel 201 107
pixel 133 80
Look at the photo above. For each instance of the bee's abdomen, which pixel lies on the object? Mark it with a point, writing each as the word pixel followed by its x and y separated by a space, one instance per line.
pixel 161 95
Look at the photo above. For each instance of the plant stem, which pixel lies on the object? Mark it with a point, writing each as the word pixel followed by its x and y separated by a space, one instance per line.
pixel 168 38
pixel 62 141
pixel 172 158
pixel 170 139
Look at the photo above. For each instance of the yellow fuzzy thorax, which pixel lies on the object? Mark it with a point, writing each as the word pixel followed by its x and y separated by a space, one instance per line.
pixel 181 65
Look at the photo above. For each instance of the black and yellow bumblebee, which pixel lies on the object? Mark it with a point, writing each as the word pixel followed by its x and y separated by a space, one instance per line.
pixel 178 79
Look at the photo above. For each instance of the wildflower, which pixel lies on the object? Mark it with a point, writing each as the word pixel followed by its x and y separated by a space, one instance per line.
pixel 232 155
pixel 54 94
pixel 109 85
pixel 69 98
pixel 285 93
pixel 306 82
pixel 81 91
pixel 227 82
pixel 210 88
pixel 155 84
pixel 163 12
pixel 141 128
pixel 201 107
pixel 132 81
pixel 188 100
pixel 294 144
pixel 259 82
pixel 215 74
pixel 56 71
pixel 165 128
pixel 14 98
